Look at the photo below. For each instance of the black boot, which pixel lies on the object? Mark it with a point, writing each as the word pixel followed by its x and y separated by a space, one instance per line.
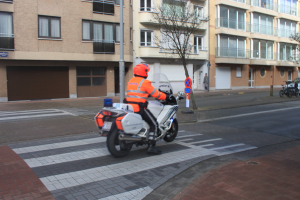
pixel 152 149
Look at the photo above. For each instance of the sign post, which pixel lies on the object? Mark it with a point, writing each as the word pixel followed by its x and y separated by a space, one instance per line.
pixel 188 91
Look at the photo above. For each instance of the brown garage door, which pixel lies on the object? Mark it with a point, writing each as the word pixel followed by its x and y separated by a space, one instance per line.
pixel 29 83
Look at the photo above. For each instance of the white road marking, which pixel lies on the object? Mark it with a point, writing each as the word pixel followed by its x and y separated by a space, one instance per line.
pixel 59 145
pixel 247 114
pixel 32 114
pixel 202 141
pixel 189 136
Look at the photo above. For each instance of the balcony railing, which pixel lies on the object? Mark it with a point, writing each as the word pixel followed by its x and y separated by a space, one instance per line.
pixel 232 52
pixel 197 49
pixel 7 41
pixel 267 4
pixel 104 7
pixel 286 33
pixel 290 10
pixel 229 23
pixel 242 1
pixel 102 46
pixel 262 29
pixel 288 57
pixel 265 55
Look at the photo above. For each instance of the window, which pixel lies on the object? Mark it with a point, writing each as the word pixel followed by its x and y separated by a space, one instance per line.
pixel 268 4
pixel 262 72
pixel 287 28
pixel 232 18
pixel 238 72
pixel 262 49
pixel 131 34
pixel 104 7
pixel 288 7
pixel 6 31
pixel 49 27
pixel 169 43
pixel 262 24
pixel 282 72
pixel 198 43
pixel 287 52
pixel 199 12
pixel 103 35
pixel 172 5
pixel 6 1
pixel 289 75
pixel 91 76
pixel 230 46
pixel 146 38
pixel 145 5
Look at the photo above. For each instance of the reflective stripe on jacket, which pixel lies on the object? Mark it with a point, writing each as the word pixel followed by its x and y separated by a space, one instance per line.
pixel 139 89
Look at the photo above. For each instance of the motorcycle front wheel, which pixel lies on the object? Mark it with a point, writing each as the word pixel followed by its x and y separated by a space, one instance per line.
pixel 281 93
pixel 116 147
pixel 172 133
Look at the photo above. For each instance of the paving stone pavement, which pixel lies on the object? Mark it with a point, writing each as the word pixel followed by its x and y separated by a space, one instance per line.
pixel 80 167
pixel 274 176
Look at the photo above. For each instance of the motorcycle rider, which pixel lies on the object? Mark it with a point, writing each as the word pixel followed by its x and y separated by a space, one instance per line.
pixel 138 91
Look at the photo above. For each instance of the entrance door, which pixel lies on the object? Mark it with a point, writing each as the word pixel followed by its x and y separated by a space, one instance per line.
pixel 251 78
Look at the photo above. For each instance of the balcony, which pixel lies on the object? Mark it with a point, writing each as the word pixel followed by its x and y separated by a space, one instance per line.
pixel 288 57
pixel 286 33
pixel 290 10
pixel 102 46
pixel 232 52
pixel 104 7
pixel 267 4
pixel 225 26
pixel 197 49
pixel 265 55
pixel 262 29
pixel 7 42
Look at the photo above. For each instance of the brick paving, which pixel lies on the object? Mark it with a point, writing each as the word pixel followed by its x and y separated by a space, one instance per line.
pixel 17 180
pixel 275 176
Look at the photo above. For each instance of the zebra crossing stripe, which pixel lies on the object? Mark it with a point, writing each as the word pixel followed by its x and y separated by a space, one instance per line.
pixel 58 145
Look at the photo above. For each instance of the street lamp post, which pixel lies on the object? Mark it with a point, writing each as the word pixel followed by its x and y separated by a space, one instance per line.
pixel 122 62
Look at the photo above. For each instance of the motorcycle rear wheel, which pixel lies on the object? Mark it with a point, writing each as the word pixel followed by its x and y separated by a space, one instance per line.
pixel 290 94
pixel 281 93
pixel 297 93
pixel 172 133
pixel 114 145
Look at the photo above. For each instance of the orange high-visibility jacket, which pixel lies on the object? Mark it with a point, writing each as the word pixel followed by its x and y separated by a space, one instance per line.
pixel 139 90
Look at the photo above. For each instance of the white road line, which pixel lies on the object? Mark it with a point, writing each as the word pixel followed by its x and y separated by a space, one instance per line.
pixel 202 141
pixel 229 146
pixel 189 136
pixel 32 116
pixel 181 131
pixel 247 114
pixel 59 145
pixel 29 112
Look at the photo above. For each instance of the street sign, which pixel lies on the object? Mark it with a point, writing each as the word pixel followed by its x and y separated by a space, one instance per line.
pixel 3 54
pixel 188 82
pixel 187 90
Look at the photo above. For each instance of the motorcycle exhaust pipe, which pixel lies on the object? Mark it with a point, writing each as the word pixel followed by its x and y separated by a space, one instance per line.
pixel 129 137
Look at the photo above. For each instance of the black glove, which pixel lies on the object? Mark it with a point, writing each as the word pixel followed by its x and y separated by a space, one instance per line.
pixel 168 96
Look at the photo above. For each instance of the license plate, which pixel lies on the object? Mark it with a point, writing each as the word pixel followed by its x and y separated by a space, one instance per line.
pixel 106 126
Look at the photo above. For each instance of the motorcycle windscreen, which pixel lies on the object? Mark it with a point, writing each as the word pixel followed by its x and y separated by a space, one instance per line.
pixel 161 81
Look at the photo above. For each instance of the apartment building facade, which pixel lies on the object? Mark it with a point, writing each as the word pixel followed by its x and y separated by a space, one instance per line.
pixel 250 44
pixel 146 49
pixel 62 49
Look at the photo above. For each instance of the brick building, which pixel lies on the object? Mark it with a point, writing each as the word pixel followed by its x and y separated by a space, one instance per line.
pixel 62 49
pixel 250 45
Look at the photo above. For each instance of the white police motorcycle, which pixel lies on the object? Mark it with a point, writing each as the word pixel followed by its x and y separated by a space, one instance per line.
pixel 124 128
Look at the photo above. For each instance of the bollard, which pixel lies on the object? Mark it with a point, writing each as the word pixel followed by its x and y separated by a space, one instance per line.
pixel 271 90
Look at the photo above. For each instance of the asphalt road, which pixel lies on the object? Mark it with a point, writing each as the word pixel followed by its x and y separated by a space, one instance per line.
pixel 79 166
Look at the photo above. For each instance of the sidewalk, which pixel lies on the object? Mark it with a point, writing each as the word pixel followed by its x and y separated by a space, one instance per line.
pixel 275 176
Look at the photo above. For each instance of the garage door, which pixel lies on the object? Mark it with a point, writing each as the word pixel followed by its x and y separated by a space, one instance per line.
pixel 223 78
pixel 29 83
